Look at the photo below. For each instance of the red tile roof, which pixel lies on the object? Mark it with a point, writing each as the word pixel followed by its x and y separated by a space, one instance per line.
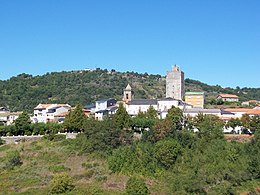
pixel 227 96
pixel 238 109
pixel 42 106
pixel 253 112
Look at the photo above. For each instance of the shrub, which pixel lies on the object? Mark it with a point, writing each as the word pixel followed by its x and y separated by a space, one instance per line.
pixel 13 159
pixel 137 158
pixel 1 141
pixel 89 173
pixel 61 183
pixel 136 186
pixel 166 152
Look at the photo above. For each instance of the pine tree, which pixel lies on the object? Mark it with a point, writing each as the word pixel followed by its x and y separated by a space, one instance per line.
pixel 152 113
pixel 22 123
pixel 121 117
pixel 74 121
pixel 175 115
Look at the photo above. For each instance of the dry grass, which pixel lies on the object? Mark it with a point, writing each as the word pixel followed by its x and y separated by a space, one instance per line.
pixel 35 173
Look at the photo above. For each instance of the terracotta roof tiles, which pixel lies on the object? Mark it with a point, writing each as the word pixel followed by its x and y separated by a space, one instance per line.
pixel 228 95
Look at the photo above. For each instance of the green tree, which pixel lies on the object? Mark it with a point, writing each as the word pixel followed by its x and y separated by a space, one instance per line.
pixel 245 120
pixel 121 117
pixel 102 136
pixel 75 119
pixel 136 186
pixel 175 115
pixel 144 120
pixel 22 123
pixel 210 127
pixel 233 122
pixel 166 152
pixel 151 113
pixel 160 130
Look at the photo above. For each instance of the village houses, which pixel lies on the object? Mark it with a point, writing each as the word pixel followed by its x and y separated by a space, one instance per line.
pixel 44 113
pixel 228 97
pixel 7 117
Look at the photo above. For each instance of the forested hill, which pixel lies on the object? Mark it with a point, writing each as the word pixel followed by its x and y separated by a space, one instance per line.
pixel 24 91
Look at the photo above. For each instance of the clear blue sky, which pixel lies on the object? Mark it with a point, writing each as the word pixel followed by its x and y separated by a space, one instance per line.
pixel 214 41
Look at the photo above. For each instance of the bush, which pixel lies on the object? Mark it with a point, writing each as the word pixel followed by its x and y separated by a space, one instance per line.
pixel 13 159
pixel 137 158
pixel 136 186
pixel 1 141
pixel 61 183
pixel 166 152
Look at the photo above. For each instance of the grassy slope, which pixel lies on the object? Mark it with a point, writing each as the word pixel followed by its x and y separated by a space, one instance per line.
pixel 41 160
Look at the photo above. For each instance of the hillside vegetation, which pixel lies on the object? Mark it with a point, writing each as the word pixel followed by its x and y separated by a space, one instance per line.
pixel 24 92
pixel 106 158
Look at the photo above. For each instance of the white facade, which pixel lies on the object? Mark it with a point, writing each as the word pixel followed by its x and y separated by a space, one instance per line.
pixel 100 115
pixel 162 106
pixel 193 112
pixel 104 104
pixel 101 105
pixel 166 104
pixel 228 97
pixel 135 109
pixel 8 118
pixel 44 113
pixel 237 113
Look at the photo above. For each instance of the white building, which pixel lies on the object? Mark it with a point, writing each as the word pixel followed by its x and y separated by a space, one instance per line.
pixel 228 97
pixel 4 110
pixel 102 108
pixel 44 113
pixel 8 118
pixel 140 105
pixel 161 106
pixel 104 104
pixel 193 112
pixel 167 103
pixel 101 114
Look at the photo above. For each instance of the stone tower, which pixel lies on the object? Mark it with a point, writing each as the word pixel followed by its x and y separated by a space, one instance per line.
pixel 127 94
pixel 175 83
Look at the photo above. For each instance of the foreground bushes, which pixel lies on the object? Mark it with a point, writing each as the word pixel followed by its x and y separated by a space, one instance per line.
pixel 136 186
pixel 61 183
pixel 13 159
pixel 145 158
